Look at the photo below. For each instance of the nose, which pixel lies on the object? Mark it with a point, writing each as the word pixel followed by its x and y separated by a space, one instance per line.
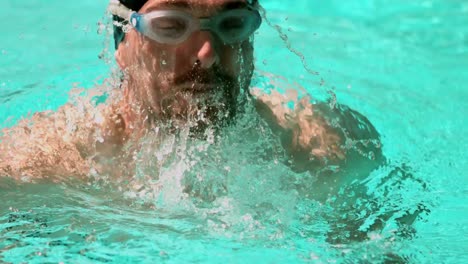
pixel 206 53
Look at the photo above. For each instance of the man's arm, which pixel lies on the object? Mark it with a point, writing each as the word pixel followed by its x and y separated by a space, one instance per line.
pixel 319 138
pixel 47 145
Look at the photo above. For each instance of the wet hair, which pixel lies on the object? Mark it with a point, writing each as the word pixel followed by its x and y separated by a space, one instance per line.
pixel 135 5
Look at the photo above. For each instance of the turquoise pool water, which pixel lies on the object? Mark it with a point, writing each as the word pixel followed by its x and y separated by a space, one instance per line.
pixel 403 65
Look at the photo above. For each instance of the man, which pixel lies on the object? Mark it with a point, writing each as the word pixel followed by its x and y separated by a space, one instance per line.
pixel 185 63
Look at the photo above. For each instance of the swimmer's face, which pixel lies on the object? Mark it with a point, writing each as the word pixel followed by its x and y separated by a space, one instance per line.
pixel 199 78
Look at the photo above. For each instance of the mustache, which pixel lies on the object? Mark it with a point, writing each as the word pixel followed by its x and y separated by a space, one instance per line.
pixel 214 75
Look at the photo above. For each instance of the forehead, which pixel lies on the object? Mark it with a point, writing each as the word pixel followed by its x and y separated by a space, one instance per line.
pixel 203 4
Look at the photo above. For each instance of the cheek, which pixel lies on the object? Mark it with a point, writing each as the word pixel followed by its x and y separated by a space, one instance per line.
pixel 237 59
pixel 169 61
pixel 151 56
pixel 158 63
pixel 230 57
pixel 247 53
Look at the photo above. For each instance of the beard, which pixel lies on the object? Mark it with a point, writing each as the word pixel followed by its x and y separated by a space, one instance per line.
pixel 200 99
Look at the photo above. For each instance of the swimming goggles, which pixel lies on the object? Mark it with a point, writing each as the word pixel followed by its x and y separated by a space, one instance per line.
pixel 174 26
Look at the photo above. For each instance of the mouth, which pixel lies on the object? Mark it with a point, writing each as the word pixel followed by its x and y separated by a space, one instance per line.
pixel 198 88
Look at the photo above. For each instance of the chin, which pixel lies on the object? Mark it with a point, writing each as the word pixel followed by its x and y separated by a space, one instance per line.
pixel 200 106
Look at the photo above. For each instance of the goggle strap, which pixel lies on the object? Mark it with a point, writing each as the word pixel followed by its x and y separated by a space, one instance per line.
pixel 135 19
pixel 117 9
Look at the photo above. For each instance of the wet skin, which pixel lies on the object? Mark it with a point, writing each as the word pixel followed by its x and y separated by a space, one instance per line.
pixel 200 81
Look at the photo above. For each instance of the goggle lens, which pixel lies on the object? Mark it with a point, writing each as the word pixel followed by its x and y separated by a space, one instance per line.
pixel 174 27
pixel 235 28
pixel 169 27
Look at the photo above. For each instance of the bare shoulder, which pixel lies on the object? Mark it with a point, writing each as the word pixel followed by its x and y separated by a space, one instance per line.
pixel 51 144
pixel 357 132
pixel 359 139
pixel 320 135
